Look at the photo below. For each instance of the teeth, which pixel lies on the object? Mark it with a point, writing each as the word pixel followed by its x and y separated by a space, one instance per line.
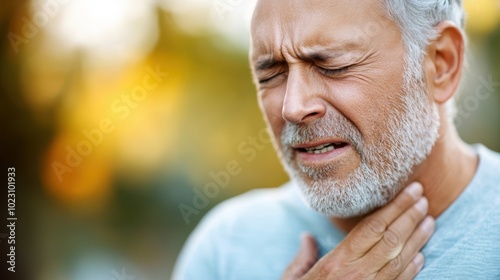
pixel 317 147
pixel 321 149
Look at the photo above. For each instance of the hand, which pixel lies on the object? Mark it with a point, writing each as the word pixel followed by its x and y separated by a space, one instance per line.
pixel 384 245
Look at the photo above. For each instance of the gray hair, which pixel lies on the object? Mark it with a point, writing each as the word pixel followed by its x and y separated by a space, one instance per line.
pixel 417 20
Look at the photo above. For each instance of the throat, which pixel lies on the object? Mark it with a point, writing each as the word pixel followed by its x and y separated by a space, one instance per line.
pixel 347 224
pixel 446 174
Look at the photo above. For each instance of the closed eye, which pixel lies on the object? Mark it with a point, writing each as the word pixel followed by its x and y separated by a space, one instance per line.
pixel 324 71
pixel 333 72
pixel 265 80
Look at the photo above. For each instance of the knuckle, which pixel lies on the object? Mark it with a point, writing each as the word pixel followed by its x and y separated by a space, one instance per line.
pixel 375 225
pixel 393 269
pixel 404 200
pixel 416 216
pixel 392 238
pixel 395 266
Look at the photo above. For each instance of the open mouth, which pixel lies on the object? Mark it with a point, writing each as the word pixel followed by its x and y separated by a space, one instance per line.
pixel 322 149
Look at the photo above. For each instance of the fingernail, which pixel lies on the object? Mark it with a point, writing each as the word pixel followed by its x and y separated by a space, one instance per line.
pixel 428 224
pixel 415 189
pixel 422 205
pixel 418 261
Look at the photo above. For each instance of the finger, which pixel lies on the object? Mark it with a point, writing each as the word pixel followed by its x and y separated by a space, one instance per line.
pixel 418 239
pixel 413 268
pixel 396 236
pixel 305 259
pixel 371 229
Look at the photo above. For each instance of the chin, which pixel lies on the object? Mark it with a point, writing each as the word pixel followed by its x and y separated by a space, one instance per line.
pixel 359 193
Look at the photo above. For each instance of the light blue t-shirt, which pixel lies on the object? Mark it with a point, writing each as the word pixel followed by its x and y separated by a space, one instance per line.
pixel 256 235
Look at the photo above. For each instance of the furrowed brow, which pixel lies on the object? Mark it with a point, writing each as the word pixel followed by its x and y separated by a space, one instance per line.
pixel 313 54
pixel 320 56
pixel 267 62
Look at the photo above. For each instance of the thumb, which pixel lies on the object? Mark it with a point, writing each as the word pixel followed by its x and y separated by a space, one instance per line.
pixel 305 259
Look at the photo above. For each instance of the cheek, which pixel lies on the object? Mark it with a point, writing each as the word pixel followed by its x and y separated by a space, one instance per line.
pixel 367 101
pixel 373 92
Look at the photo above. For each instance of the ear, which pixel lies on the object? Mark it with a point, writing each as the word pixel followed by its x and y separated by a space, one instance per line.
pixel 445 59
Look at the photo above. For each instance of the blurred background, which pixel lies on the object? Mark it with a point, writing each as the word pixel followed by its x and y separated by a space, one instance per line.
pixel 122 118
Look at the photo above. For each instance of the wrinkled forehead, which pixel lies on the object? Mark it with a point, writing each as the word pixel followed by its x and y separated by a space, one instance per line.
pixel 315 23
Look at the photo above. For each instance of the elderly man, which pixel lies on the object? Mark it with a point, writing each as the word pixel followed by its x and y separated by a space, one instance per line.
pixel 357 95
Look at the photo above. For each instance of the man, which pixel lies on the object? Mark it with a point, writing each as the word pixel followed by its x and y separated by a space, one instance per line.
pixel 357 97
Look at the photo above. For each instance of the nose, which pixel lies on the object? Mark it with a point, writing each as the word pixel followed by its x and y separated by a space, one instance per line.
pixel 302 102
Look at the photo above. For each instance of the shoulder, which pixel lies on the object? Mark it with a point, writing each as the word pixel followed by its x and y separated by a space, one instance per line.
pixel 257 205
pixel 257 212
pixel 488 172
pixel 239 226
pixel 466 242
pixel 488 157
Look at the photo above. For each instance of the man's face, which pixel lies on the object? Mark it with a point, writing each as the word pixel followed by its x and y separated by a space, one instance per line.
pixel 349 120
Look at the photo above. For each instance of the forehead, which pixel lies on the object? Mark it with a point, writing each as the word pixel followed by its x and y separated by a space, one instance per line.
pixel 316 23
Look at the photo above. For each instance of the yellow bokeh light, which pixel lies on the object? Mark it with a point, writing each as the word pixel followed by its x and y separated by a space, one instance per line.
pixel 117 31
pixel 483 15
pixel 75 172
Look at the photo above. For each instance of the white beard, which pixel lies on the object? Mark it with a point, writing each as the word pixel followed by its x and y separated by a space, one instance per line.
pixel 385 164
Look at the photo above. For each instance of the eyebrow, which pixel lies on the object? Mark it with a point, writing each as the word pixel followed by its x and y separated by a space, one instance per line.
pixel 320 56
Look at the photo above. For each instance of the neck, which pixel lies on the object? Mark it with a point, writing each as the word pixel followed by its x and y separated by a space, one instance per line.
pixel 445 173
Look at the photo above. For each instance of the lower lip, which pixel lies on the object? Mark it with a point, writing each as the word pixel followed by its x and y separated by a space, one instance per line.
pixel 308 158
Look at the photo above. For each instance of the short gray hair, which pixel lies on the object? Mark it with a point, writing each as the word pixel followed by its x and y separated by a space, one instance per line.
pixel 417 20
